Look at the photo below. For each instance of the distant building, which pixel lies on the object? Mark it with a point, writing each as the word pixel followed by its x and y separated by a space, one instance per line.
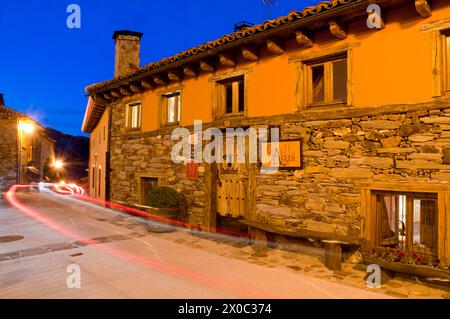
pixel 25 149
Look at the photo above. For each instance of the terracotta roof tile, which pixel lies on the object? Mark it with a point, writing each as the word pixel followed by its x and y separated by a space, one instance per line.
pixel 226 39
pixel 6 111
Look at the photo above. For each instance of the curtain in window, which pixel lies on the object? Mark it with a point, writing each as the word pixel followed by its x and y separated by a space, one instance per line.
pixel 388 220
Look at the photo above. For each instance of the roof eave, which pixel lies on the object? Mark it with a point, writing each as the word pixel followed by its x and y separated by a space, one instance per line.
pixel 140 74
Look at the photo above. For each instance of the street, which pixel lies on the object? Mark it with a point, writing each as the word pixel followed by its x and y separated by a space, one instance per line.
pixel 125 260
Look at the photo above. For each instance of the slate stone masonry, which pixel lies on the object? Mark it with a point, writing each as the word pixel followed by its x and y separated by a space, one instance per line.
pixel 322 195
pixel 8 152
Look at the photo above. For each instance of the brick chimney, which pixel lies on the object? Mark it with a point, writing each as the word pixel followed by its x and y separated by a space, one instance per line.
pixel 2 101
pixel 128 47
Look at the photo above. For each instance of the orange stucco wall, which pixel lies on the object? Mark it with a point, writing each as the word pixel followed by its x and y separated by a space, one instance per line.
pixel 97 160
pixel 390 66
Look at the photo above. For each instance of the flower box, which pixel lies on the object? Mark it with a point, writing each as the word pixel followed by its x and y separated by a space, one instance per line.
pixel 415 270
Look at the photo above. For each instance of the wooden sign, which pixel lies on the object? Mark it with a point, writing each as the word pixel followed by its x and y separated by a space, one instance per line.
pixel 281 155
pixel 192 170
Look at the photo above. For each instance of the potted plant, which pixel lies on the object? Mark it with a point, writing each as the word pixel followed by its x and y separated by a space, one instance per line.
pixel 163 201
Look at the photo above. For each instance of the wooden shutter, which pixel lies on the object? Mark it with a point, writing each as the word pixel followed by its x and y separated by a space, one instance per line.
pixel 428 225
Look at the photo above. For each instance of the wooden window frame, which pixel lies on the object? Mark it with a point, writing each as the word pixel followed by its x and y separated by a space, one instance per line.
pixel 301 64
pixel 368 213
pixel 409 217
pixel 219 95
pixel 99 181
pixel 163 105
pixel 440 57
pixel 139 178
pixel 328 81
pixel 446 59
pixel 94 179
pixel 128 116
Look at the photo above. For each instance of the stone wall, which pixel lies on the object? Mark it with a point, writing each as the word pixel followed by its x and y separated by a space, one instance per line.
pixel 322 196
pixel 8 152
pixel 410 147
pixel 133 154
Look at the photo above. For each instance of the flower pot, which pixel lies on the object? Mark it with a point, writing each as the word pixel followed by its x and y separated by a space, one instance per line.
pixel 169 213
pixel 415 270
pixel 163 226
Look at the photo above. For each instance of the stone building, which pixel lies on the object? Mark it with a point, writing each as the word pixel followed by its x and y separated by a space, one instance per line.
pixel 25 149
pixel 366 95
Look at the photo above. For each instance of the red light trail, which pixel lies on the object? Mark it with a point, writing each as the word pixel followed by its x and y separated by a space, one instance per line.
pixel 152 263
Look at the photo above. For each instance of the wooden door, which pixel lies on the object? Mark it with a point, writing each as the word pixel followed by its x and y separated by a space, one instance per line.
pixel 232 183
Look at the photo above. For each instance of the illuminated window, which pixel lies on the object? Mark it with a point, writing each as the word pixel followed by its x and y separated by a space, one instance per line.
pixel 407 221
pixel 327 81
pixel 134 116
pixel 171 108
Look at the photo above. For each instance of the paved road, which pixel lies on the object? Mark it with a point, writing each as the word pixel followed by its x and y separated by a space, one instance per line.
pixel 125 260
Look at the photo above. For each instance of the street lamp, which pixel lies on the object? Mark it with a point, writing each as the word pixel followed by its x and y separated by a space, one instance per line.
pixel 58 164
pixel 26 127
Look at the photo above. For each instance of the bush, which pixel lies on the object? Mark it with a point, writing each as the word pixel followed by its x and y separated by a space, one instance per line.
pixel 163 197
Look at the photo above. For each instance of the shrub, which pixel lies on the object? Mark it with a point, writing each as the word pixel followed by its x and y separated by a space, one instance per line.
pixel 163 197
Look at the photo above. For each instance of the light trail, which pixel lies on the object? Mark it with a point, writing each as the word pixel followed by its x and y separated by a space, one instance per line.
pixel 154 264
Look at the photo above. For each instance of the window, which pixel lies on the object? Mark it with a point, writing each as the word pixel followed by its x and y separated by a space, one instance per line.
pixel 232 95
pixel 327 81
pixel 146 185
pixel 171 108
pixel 407 221
pixel 99 186
pixel 133 116
pixel 93 178
pixel 447 61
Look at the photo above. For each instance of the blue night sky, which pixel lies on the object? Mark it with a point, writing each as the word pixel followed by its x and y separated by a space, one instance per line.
pixel 44 66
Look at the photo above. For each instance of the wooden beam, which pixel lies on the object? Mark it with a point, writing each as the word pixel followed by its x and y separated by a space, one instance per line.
pixel 303 39
pixel 116 94
pixel 174 75
pixel 147 84
pixel 190 70
pixel 423 8
pixel 207 66
pixel 158 79
pixel 275 46
pixel 337 31
pixel 107 96
pixel 227 59
pixel 124 91
pixel 250 53
pixel 99 100
pixel 136 88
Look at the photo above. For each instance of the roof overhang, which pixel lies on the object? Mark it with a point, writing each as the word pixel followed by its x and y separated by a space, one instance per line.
pixel 310 19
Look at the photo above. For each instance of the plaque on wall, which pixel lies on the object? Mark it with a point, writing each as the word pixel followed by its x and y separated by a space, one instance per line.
pixel 284 155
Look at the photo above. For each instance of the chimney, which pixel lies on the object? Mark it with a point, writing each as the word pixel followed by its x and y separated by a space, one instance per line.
pixel 2 101
pixel 241 26
pixel 128 47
